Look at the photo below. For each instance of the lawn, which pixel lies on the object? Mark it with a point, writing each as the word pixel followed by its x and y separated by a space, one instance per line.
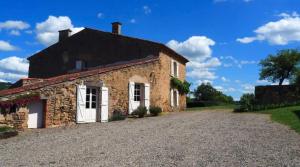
pixel 289 116
pixel 228 106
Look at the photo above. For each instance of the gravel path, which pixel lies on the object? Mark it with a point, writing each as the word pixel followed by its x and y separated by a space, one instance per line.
pixel 214 138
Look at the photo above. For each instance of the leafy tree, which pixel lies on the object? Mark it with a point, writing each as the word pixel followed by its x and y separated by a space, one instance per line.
pixel 281 66
pixel 296 78
pixel 207 92
pixel 247 101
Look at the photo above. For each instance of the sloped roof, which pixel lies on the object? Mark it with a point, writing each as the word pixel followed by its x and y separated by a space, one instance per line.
pixel 76 75
pixel 116 47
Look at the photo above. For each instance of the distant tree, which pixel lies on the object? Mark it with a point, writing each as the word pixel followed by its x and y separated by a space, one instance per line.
pixel 207 92
pixel 296 79
pixel 281 66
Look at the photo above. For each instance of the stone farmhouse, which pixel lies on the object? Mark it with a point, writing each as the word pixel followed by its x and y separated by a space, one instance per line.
pixel 85 77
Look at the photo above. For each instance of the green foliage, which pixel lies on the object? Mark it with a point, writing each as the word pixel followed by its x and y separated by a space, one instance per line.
pixel 206 92
pixel 247 102
pixel 5 128
pixel 118 115
pixel 4 85
pixel 155 111
pixel 296 78
pixel 141 111
pixel 182 87
pixel 281 66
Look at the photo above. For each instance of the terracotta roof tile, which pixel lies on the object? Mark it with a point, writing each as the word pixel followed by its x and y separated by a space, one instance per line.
pixel 76 75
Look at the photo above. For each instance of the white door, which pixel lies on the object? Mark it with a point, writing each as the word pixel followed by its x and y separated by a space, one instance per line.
pixel 91 104
pixel 137 96
pixel 35 115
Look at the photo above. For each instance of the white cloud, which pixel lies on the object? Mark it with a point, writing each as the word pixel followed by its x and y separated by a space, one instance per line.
pixel 229 61
pixel 14 24
pixel 100 15
pixel 15 32
pixel 47 31
pixel 6 46
pixel 248 88
pixel 11 77
pixel 132 21
pixel 14 64
pixel 198 50
pixel 147 9
pixel 13 68
pixel 280 32
pixel 225 79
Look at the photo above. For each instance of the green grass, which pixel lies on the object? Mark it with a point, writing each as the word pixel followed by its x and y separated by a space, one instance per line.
pixel 228 106
pixel 289 116
pixel 5 128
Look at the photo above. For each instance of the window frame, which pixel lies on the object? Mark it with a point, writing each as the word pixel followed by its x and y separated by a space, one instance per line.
pixel 174 68
pixel 137 92
pixel 80 64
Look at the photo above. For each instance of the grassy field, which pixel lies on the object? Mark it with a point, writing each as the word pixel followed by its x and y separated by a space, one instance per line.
pixel 229 106
pixel 289 116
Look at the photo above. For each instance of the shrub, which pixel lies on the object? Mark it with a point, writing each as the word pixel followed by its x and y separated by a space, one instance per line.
pixel 141 111
pixel 182 87
pixel 155 111
pixel 118 115
pixel 247 102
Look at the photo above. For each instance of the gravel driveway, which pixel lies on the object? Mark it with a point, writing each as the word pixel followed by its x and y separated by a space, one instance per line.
pixel 208 138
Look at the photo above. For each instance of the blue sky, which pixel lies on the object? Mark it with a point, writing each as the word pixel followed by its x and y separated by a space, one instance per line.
pixel 224 39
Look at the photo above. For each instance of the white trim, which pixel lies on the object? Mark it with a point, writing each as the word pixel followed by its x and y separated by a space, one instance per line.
pixel 147 96
pixel 104 104
pixel 171 98
pixel 130 97
pixel 81 95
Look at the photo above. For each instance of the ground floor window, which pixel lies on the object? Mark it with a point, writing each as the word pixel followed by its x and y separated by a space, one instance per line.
pixel 137 92
pixel 91 98
pixel 174 98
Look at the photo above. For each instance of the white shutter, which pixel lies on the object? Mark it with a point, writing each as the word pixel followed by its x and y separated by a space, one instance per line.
pixel 171 96
pixel 147 96
pixel 177 98
pixel 104 104
pixel 172 67
pixel 131 97
pixel 177 69
pixel 81 95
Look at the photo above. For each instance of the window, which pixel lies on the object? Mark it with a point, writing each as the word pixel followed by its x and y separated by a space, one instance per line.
pixel 80 65
pixel 91 98
pixel 137 92
pixel 175 98
pixel 174 69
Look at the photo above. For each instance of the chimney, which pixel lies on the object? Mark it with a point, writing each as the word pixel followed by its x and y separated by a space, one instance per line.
pixel 64 34
pixel 116 28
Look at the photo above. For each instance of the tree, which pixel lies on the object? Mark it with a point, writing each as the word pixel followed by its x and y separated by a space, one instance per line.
pixel 206 92
pixel 296 78
pixel 281 66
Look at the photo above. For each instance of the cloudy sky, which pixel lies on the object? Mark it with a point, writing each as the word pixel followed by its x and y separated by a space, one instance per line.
pixel 223 39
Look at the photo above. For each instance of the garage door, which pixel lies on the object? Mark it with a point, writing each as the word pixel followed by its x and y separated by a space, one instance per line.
pixel 35 115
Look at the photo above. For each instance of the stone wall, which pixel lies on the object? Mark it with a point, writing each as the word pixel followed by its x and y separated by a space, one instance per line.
pixel 60 106
pixel 274 94
pixel 165 83
pixel 20 118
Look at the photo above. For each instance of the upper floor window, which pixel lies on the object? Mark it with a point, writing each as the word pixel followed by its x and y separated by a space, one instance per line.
pixel 174 68
pixel 80 65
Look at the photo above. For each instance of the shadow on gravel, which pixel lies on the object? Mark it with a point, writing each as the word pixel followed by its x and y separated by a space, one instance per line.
pixel 297 112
